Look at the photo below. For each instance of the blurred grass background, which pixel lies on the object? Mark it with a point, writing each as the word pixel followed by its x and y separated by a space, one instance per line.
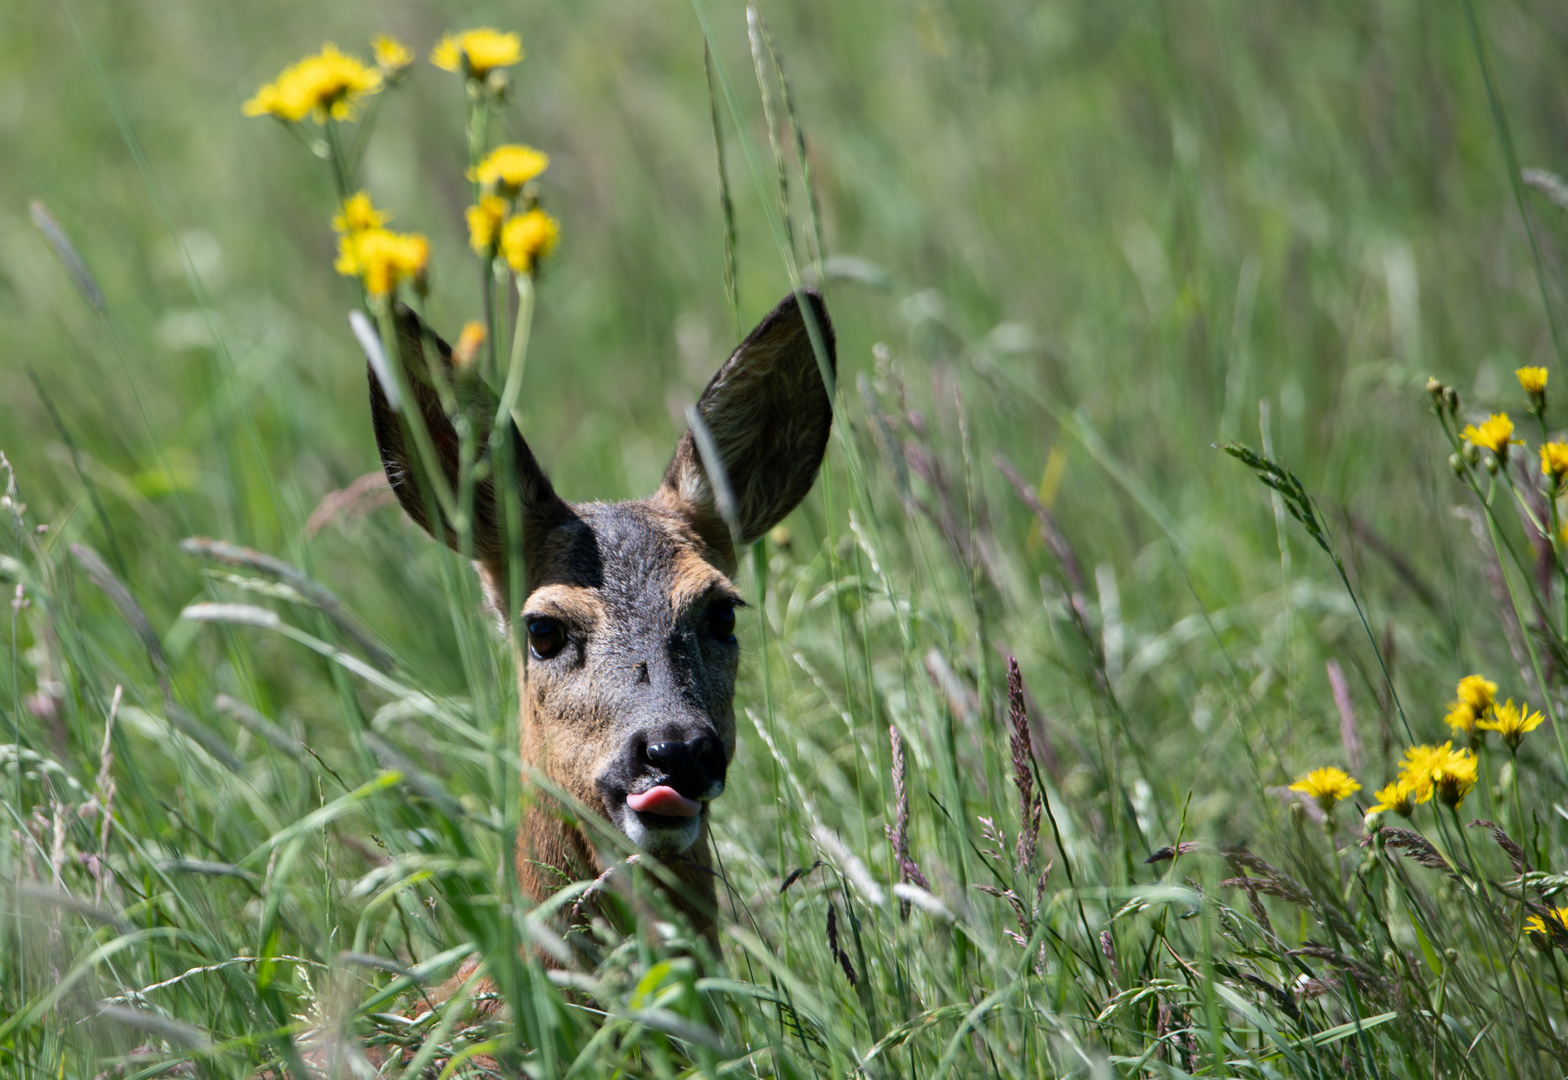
pixel 1121 232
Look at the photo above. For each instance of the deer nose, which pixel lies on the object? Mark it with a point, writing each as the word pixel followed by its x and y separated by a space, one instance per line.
pixel 675 756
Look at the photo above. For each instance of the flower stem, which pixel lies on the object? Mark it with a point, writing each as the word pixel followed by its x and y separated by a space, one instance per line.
pixel 514 368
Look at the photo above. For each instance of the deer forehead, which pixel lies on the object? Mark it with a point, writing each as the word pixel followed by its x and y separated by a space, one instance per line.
pixel 622 564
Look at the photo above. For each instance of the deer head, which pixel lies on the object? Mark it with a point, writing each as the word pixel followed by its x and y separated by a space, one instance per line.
pixel 624 629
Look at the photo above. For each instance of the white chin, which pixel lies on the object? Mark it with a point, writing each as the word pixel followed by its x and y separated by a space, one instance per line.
pixel 659 841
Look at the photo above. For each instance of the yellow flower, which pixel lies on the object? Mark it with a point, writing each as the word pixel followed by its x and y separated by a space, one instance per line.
pixel 1453 775
pixel 1461 718
pixel 1512 722
pixel 1327 786
pixel 358 215
pixel 1537 925
pixel 468 344
pixel 1554 459
pixel 484 223
pixel 477 52
pixel 382 258
pixel 1398 796
pixel 1495 435
pixel 1417 768
pixel 1532 379
pixel 329 83
pixel 392 56
pixel 1477 691
pixel 509 167
pixel 527 238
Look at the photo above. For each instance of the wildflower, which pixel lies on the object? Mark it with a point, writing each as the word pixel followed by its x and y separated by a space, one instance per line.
pixel 1417 768
pixel 509 167
pixel 382 258
pixel 1496 435
pixel 1533 380
pixel 1398 796
pixel 1453 776
pixel 1512 722
pixel 477 52
pixel 1327 786
pixel 484 223
pixel 327 84
pixel 392 56
pixel 358 215
pixel 1554 460
pixel 1461 718
pixel 468 344
pixel 527 238
pixel 1477 691
pixel 1537 925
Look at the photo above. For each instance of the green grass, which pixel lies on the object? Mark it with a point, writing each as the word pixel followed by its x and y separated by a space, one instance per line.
pixel 1105 235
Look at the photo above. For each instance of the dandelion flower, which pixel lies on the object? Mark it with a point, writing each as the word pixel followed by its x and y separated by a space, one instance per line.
pixel 1418 765
pixel 1398 796
pixel 1328 786
pixel 392 56
pixel 477 52
pixel 1554 460
pixel 527 238
pixel 382 258
pixel 327 84
pixel 509 167
pixel 484 223
pixel 1532 380
pixel 1496 435
pixel 1537 925
pixel 1512 722
pixel 1453 776
pixel 1477 691
pixel 358 215
pixel 1461 718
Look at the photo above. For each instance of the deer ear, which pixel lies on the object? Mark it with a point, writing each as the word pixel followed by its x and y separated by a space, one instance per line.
pixel 765 417
pixel 410 476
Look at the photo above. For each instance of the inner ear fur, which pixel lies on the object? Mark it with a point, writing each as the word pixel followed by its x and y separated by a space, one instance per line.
pixel 769 413
pixel 418 347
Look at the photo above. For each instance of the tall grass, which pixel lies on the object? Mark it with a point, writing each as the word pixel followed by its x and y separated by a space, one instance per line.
pixel 1027 678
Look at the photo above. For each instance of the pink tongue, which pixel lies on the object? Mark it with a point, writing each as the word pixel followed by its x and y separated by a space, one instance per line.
pixel 664 800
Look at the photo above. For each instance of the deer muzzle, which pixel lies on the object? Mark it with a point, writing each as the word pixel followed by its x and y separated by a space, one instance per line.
pixel 657 790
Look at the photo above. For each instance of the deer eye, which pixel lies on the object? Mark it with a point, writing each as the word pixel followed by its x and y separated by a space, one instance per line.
pixel 546 636
pixel 721 620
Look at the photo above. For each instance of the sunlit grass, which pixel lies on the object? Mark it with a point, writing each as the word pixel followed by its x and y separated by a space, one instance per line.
pixel 1069 248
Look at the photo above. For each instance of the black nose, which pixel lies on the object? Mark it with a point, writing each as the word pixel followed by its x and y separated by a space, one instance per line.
pixel 692 765
pixel 674 755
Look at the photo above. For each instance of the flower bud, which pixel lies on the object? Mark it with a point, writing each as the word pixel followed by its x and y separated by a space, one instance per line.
pixel 1456 463
pixel 466 351
pixel 1451 955
pixel 1453 400
pixel 1491 465
pixel 1472 453
pixel 1373 821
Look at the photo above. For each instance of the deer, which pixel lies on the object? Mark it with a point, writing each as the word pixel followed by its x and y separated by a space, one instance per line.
pixel 624 638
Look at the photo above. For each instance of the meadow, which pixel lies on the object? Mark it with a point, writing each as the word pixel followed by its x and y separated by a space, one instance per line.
pixel 1027 679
